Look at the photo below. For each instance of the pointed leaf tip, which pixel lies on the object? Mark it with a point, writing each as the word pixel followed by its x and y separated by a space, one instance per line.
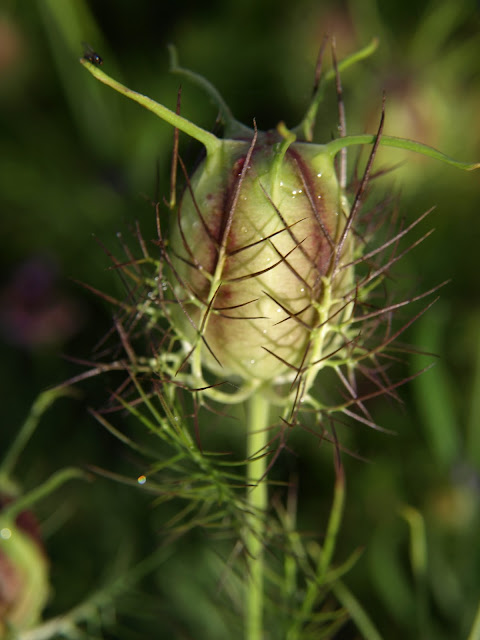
pixel 338 144
pixel 209 140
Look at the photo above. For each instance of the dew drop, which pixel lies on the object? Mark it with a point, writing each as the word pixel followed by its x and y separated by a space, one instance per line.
pixel 141 479
pixel 5 533
pixel 319 175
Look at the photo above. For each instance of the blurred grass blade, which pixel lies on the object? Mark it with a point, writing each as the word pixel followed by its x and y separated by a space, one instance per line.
pixel 433 392
pixel 433 33
pixel 472 445
pixel 356 611
pixel 388 574
pixel 475 632
pixel 418 561
pixel 418 543
pixel 67 25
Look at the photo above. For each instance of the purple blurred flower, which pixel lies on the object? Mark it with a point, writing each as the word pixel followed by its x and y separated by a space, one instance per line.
pixel 34 311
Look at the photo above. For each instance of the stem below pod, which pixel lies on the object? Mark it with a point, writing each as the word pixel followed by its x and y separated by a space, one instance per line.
pixel 258 410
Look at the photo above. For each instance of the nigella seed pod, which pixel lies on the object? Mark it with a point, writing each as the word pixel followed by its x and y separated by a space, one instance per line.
pixel 257 274
pixel 253 252
pixel 24 572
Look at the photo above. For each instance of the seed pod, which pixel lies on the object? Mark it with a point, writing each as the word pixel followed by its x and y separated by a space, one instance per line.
pixel 24 584
pixel 259 260
pixel 254 247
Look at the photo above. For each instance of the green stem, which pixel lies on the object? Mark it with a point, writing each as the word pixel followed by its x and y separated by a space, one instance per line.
pixel 324 559
pixel 258 409
pixel 41 404
pixel 211 142
pixel 55 481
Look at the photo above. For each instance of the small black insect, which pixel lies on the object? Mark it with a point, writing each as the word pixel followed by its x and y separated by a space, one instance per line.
pixel 91 55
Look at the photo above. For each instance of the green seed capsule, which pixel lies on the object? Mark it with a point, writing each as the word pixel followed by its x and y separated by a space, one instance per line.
pixel 260 257
pixel 255 241
pixel 23 578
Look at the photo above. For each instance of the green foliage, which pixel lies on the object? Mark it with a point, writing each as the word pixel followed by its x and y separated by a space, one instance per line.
pixel 76 160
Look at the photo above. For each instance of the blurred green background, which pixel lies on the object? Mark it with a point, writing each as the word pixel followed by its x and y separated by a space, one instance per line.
pixel 80 163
